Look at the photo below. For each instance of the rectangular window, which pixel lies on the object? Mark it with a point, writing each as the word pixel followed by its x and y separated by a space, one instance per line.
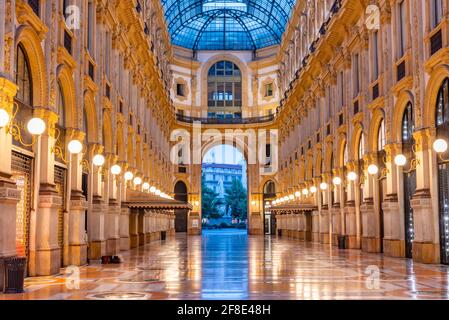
pixel 375 55
pixel 341 90
pixel 107 58
pixel 356 70
pixel 436 12
pixel 180 89
pixel 402 28
pixel 269 90
pixel 90 26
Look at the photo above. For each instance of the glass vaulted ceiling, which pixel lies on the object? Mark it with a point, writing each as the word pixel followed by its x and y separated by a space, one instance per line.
pixel 227 24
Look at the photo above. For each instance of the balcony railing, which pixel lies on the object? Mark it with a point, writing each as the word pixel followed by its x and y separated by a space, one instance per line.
pixel 254 120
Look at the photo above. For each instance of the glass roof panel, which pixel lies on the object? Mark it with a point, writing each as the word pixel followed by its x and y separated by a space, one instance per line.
pixel 227 24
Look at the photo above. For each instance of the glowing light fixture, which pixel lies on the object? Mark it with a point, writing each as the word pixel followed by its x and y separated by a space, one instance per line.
pixel 440 146
pixel 36 126
pixel 313 189
pixel 305 192
pixel 129 176
pixel 337 181
pixel 4 118
pixel 137 181
pixel 116 170
pixel 146 186
pixel 323 186
pixel 75 147
pixel 297 194
pixel 400 160
pixel 153 189
pixel 352 176
pixel 373 169
pixel 98 160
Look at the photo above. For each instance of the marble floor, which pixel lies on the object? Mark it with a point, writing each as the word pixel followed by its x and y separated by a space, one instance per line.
pixel 230 265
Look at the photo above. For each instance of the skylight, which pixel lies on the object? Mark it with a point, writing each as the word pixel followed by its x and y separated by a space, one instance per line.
pixel 221 5
pixel 227 24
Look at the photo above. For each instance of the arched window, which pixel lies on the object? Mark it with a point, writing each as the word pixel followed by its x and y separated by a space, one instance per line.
pixel 85 127
pixel 224 91
pixel 361 151
pixel 408 124
pixel 345 155
pixel 61 125
pixel 381 136
pixel 23 77
pixel 61 107
pixel 270 188
pixel 442 114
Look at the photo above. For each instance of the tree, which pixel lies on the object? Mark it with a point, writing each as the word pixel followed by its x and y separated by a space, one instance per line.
pixel 236 200
pixel 209 202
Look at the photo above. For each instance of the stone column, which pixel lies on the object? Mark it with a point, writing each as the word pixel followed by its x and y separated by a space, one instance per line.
pixel 124 228
pixel 315 226
pixel 325 221
pixel 9 195
pixel 394 233
pixel 47 254
pixel 97 208
pixel 350 212
pixel 172 224
pixel 141 227
pixel 194 217
pixel 114 186
pixel 426 248
pixel 370 239
pixel 77 245
pixel 133 228
pixel 147 216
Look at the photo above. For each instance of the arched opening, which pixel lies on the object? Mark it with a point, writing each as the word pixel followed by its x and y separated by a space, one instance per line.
pixel 442 122
pixel 382 181
pixel 408 141
pixel 60 173
pixel 361 184
pixel 269 194
pixel 181 194
pixel 22 162
pixel 85 173
pixel 224 91
pixel 224 188
pixel 24 98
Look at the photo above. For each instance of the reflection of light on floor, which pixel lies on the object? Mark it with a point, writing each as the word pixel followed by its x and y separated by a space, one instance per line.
pixel 119 296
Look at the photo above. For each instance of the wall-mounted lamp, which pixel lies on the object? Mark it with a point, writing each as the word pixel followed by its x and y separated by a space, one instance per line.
pixel 337 181
pixel 35 126
pixel 440 146
pixel 373 169
pixel 128 176
pixel 352 176
pixel 116 169
pixel 137 181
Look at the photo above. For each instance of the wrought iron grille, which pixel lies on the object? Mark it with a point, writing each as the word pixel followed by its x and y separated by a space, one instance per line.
pixel 21 167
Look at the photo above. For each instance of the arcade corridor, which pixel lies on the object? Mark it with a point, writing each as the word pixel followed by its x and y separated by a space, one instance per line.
pixel 229 265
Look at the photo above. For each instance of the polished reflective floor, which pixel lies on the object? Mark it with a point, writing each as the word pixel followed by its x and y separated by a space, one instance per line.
pixel 231 265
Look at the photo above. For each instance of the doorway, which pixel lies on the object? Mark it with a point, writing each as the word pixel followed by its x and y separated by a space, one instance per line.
pixel 181 194
pixel 224 195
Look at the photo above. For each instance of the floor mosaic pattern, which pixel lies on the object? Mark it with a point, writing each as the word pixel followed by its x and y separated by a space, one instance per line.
pixel 229 265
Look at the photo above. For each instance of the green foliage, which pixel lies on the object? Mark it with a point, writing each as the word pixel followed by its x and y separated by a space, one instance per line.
pixel 236 200
pixel 209 202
